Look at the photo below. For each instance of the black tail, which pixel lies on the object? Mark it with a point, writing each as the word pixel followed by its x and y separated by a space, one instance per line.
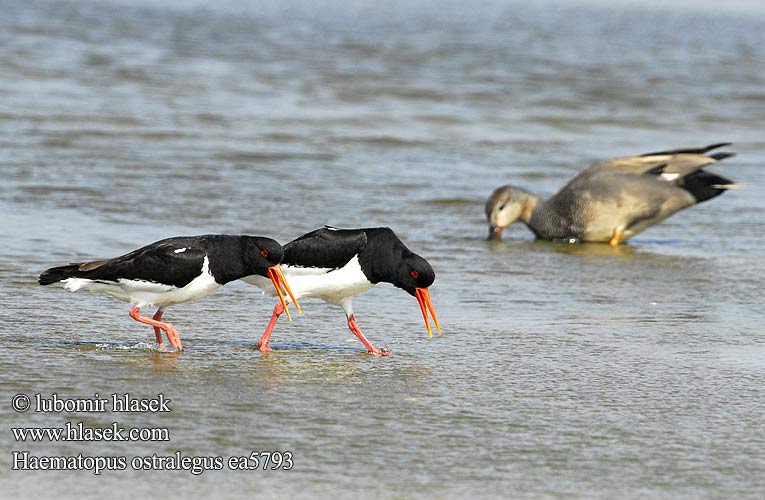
pixel 705 186
pixel 722 155
pixel 56 274
pixel 691 151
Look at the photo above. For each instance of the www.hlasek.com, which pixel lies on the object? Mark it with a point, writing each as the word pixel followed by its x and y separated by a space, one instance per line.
pixel 78 432
pixel 120 403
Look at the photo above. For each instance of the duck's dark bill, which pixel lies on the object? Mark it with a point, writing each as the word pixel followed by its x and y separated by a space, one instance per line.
pixel 495 232
pixel 423 297
pixel 278 279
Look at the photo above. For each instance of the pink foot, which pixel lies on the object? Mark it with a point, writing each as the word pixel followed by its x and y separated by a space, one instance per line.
pixel 265 348
pixel 170 331
pixel 263 344
pixel 356 329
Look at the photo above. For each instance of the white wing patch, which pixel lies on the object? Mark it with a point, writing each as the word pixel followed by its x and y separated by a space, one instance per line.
pixel 180 250
pixel 670 177
pixel 292 271
pixel 74 284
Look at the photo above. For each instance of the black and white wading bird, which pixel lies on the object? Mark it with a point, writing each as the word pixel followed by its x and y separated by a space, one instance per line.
pixel 614 200
pixel 175 270
pixel 334 265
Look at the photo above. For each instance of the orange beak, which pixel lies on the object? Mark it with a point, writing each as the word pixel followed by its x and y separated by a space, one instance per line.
pixel 423 297
pixel 278 279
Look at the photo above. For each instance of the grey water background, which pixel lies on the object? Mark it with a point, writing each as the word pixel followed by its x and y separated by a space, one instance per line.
pixel 563 371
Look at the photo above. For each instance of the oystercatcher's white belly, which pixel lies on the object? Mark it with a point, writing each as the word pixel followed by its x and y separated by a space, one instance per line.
pixel 332 286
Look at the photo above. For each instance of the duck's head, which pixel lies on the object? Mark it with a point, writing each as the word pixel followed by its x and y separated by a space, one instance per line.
pixel 506 205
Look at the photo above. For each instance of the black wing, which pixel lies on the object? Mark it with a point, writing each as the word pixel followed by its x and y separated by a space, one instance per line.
pixel 325 248
pixel 691 151
pixel 173 261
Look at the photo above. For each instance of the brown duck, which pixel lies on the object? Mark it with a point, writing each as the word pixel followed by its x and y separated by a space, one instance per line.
pixel 612 201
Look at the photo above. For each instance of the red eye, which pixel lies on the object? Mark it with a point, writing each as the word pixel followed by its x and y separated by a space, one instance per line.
pixel 264 252
pixel 415 274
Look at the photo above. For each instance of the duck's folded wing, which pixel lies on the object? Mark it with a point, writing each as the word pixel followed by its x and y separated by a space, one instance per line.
pixel 325 248
pixel 671 165
pixel 683 169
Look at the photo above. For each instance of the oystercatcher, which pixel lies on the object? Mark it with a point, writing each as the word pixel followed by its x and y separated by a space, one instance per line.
pixel 336 264
pixel 175 270
pixel 614 200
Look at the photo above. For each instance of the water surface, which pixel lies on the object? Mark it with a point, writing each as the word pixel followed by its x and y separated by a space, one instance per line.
pixel 563 372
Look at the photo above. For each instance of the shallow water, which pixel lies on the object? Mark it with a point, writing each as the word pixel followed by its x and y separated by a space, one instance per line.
pixel 564 371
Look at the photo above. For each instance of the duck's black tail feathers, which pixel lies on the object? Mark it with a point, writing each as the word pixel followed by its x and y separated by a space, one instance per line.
pixel 706 185
pixel 722 155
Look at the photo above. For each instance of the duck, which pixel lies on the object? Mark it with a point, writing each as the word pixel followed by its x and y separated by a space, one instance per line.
pixel 612 201
pixel 172 271
pixel 335 265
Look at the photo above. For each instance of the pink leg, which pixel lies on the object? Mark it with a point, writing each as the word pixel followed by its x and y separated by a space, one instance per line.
pixel 356 329
pixel 172 333
pixel 263 343
pixel 157 331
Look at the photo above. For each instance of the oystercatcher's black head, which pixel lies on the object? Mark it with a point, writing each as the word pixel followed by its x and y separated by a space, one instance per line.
pixel 414 276
pixel 414 272
pixel 263 256
pixel 386 258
